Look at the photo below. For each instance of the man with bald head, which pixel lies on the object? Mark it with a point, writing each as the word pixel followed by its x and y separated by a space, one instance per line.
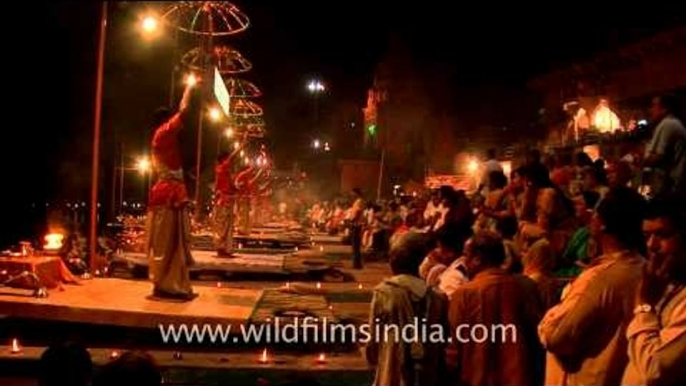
pixel 400 301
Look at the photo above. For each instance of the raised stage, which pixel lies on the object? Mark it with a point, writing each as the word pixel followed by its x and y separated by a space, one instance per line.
pixel 127 303
pixel 255 262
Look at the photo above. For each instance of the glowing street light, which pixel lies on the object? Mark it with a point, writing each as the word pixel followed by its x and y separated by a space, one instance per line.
pixel 191 80
pixel 215 114
pixel 473 166
pixel 316 86
pixel 150 26
pixel 149 23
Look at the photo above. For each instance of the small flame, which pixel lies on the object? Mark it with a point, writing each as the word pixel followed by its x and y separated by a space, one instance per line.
pixel 16 348
pixel 321 249
pixel 240 245
pixel 331 307
pixel 319 285
pixel 219 284
pixel 114 354
pixel 288 285
pixel 321 358
pixel 296 249
pixel 359 286
pixel 265 357
pixel 53 241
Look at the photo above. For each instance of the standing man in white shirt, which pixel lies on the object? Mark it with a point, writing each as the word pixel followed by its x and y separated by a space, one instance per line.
pixel 666 152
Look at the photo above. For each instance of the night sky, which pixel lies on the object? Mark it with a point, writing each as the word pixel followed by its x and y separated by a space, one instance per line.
pixel 51 73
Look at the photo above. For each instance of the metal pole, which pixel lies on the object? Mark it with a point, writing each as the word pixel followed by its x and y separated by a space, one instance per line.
pixel 381 165
pixel 113 193
pixel 205 50
pixel 92 242
pixel 172 83
pixel 198 162
pixel 121 179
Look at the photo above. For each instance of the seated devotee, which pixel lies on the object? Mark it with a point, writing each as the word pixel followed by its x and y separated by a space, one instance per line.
pixel 131 368
pixel 507 229
pixel 562 172
pixel 65 365
pixel 585 332
pixel 373 224
pixel 657 332
pixel 593 179
pixel 335 223
pixel 493 297
pixel 619 174
pixel 538 263
pixel 414 222
pixel 581 160
pixel 455 274
pixel 432 208
pixel 553 210
pixel 495 205
pixel 581 248
pixel 514 192
pixel 397 301
pixel 449 242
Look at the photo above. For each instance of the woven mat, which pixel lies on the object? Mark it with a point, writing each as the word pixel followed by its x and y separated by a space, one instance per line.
pixel 277 303
pixel 208 260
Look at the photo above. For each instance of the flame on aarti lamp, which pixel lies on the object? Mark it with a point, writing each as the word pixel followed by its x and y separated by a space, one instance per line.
pixel 191 80
pixel 53 241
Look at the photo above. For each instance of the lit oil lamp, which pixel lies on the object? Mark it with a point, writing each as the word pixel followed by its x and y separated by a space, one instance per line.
pixel 219 284
pixel 321 248
pixel 53 242
pixel 264 358
pixel 321 359
pixel 114 354
pixel 319 285
pixel 359 286
pixel 16 348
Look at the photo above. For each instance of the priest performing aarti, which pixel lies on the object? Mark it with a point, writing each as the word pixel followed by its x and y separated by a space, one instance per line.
pixel 168 220
pixel 224 207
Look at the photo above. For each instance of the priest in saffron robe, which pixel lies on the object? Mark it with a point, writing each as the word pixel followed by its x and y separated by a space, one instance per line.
pixel 246 183
pixel 223 212
pixel 168 221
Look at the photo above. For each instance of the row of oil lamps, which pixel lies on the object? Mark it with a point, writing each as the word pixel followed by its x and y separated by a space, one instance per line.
pixel 264 358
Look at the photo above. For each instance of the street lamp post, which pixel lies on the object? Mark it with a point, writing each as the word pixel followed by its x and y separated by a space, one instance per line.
pixel 143 166
pixel 92 234
pixel 149 26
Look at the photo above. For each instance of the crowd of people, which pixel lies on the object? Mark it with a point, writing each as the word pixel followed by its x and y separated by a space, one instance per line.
pixel 590 272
